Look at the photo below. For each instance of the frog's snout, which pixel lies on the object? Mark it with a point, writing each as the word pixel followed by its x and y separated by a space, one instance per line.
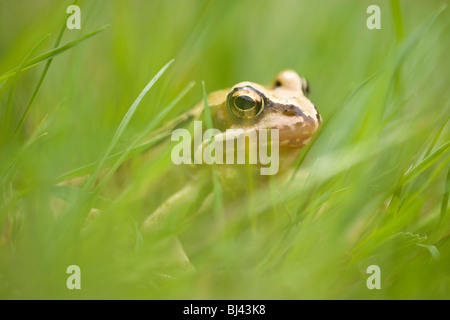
pixel 297 134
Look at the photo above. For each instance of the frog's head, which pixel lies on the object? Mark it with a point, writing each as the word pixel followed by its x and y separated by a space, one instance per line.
pixel 282 105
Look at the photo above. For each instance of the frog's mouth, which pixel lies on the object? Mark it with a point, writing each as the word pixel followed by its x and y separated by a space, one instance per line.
pixel 296 135
pixel 295 131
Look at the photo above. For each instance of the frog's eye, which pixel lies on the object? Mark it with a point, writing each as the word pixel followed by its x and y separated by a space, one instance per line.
pixel 291 80
pixel 305 87
pixel 245 102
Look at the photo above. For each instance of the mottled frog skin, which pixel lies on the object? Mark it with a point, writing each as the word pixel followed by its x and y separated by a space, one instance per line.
pixel 282 105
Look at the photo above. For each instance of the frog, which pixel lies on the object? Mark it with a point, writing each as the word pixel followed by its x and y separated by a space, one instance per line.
pixel 283 104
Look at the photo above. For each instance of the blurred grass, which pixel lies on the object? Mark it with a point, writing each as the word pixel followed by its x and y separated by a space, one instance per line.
pixel 371 189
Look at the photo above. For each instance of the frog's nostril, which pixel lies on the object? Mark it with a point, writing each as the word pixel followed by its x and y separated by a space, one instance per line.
pixel 278 84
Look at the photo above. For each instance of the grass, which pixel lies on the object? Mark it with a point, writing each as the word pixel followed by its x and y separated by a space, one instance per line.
pixel 371 189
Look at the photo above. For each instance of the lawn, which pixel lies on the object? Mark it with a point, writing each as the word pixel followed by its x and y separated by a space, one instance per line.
pixel 82 166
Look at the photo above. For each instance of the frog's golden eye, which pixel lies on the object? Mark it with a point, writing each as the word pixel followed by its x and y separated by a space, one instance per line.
pixel 305 87
pixel 245 102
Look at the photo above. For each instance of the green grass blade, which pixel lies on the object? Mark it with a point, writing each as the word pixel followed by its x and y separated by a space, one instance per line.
pixel 122 126
pixel 432 249
pixel 19 69
pixel 410 196
pixel 72 220
pixel 147 130
pixel 37 134
pixel 445 197
pixel 426 163
pixel 41 79
pixel 156 120
pixel 50 54
pixel 436 137
pixel 89 168
pixel 70 194
pixel 218 201
pixel 411 42
pixel 207 115
pixel 337 108
pixel 133 149
pixel 398 19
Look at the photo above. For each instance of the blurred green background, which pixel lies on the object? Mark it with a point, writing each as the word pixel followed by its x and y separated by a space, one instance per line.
pixel 375 186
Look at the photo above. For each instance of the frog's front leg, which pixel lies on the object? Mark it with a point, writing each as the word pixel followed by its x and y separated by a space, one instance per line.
pixel 173 210
pixel 172 214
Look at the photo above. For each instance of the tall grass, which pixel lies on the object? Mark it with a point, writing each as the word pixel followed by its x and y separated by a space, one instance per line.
pixel 78 179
